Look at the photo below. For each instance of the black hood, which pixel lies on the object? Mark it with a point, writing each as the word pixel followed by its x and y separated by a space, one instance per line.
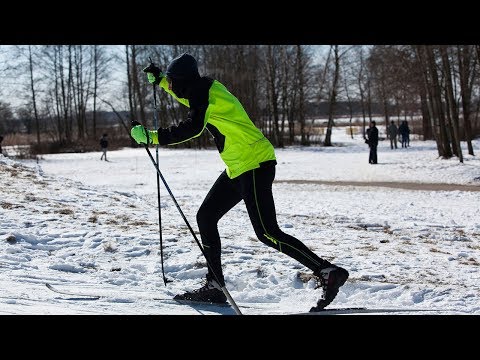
pixel 183 71
pixel 183 67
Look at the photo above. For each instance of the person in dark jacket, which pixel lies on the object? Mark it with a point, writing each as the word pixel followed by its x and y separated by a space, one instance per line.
pixel 250 163
pixel 404 132
pixel 407 132
pixel 372 140
pixel 104 146
pixel 392 134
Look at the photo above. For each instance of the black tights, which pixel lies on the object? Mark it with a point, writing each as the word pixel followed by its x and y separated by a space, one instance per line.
pixel 372 159
pixel 255 188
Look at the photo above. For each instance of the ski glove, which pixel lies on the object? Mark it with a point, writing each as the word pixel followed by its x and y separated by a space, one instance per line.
pixel 154 74
pixel 141 135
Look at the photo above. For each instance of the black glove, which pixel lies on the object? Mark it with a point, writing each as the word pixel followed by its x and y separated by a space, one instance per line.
pixel 154 74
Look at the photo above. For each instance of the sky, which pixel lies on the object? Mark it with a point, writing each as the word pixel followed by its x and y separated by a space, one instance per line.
pixel 91 227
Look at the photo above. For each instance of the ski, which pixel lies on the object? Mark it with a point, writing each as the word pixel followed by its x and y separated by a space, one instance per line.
pixel 221 309
pixel 363 310
pixel 227 308
pixel 332 311
pixel 74 294
pixel 200 303
pixel 224 305
pixel 85 296
pixel 90 296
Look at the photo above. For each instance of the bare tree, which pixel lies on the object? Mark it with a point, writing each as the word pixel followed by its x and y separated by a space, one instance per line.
pixel 101 64
pixel 271 72
pixel 27 53
pixel 380 68
pixel 333 96
pixel 34 101
pixel 61 95
pixel 302 64
pixel 429 103
pixel 451 103
pixel 81 87
pixel 129 82
pixel 96 62
pixel 137 93
pixel 352 72
pixel 437 101
pixel 360 70
pixel 467 74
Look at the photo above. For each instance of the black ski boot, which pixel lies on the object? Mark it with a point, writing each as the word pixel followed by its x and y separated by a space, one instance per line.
pixel 330 279
pixel 209 293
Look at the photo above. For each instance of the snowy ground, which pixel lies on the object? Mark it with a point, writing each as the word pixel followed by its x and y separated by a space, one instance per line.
pixel 90 226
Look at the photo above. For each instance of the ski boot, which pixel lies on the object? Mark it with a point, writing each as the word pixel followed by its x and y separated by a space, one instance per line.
pixel 209 293
pixel 330 279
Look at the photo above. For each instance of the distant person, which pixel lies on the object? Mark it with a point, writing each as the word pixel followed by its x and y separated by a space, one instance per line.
pixel 1 139
pixel 372 141
pixel 392 133
pixel 250 165
pixel 408 133
pixel 403 132
pixel 104 146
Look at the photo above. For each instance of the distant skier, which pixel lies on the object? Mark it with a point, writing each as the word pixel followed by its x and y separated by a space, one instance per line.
pixel 104 146
pixel 250 170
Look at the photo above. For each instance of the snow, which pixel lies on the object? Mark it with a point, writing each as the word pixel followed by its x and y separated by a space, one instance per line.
pixel 91 227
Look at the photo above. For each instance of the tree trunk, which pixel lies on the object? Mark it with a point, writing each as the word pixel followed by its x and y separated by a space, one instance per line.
pixel 64 95
pixel 420 50
pixel 70 104
pixel 58 103
pixel 437 102
pixel 130 92
pixel 271 79
pixel 464 66
pixel 95 87
pixel 301 95
pixel 362 96
pixel 333 98
pixel 426 120
pixel 451 101
pixel 34 101
pixel 136 86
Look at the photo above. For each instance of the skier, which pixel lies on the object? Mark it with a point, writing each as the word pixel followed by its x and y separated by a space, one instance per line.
pixel 250 170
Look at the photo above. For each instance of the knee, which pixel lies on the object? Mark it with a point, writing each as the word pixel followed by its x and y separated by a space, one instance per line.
pixel 201 216
pixel 205 218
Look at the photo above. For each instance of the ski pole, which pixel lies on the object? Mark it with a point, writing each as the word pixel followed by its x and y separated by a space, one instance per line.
pixel 155 125
pixel 223 288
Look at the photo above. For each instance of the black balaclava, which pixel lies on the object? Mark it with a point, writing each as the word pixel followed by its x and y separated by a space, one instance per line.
pixel 183 71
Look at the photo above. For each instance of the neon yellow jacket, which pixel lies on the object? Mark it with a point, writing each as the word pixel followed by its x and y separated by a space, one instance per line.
pixel 244 146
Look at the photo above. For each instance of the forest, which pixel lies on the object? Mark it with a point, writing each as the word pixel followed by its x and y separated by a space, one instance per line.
pixel 61 98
